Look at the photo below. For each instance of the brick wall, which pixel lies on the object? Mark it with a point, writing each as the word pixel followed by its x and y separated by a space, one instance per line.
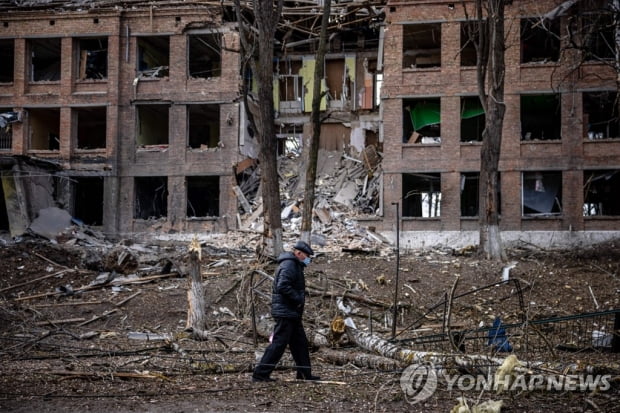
pixel 449 82
pixel 119 162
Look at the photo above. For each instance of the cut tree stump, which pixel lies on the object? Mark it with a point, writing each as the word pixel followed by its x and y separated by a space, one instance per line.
pixel 196 318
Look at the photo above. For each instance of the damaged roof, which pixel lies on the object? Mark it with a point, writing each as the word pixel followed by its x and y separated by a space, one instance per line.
pixel 300 22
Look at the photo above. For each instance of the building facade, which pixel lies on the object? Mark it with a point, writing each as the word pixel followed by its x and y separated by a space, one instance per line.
pixel 560 152
pixel 134 110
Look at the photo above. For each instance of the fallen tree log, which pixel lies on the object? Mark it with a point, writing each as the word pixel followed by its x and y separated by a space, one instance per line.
pixel 441 361
pixel 108 375
pixel 359 359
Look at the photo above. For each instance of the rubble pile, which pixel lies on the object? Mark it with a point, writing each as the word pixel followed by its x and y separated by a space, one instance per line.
pixel 348 190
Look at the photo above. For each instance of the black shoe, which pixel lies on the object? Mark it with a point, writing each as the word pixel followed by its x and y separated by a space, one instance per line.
pixel 257 379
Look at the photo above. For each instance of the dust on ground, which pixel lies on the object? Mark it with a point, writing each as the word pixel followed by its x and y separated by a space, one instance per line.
pixel 124 347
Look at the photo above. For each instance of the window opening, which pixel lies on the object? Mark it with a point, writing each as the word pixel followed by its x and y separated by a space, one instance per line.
pixel 469 34
pixel 598 30
pixel 290 86
pixel 290 140
pixel 421 45
pixel 541 117
pixel 600 193
pixel 93 58
pixel 204 126
pixel 600 115
pixel 91 127
pixel 44 128
pixel 203 196
pixel 421 121
pixel 540 42
pixel 45 59
pixel 7 117
pixel 152 125
pixel 88 201
pixel 470 197
pixel 205 55
pixel 422 195
pixel 151 197
pixel 541 193
pixel 7 63
pixel 339 83
pixel 472 119
pixel 153 56
pixel 469 194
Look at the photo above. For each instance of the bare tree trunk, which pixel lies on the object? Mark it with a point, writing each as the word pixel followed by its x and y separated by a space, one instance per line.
pixel 493 103
pixel 306 213
pixel 616 9
pixel 257 47
pixel 267 17
pixel 359 359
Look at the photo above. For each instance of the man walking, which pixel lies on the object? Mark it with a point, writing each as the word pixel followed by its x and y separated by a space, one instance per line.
pixel 287 308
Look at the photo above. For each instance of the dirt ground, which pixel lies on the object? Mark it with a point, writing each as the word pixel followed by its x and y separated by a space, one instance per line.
pixel 69 345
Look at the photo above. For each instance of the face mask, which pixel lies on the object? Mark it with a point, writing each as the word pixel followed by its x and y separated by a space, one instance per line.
pixel 307 261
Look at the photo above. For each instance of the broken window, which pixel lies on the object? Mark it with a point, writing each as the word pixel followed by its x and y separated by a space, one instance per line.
pixel 472 119
pixel 44 128
pixel 600 193
pixel 204 126
pixel 44 59
pixel 421 45
pixel 91 127
pixel 598 32
pixel 541 117
pixel 541 193
pixel 600 115
pixel 421 121
pixel 290 140
pixel 203 196
pixel 470 196
pixel 469 34
pixel 7 65
pixel 205 55
pixel 422 195
pixel 290 86
pixel 88 200
pixel 540 40
pixel 152 125
pixel 151 200
pixel 153 56
pixel 7 116
pixel 92 58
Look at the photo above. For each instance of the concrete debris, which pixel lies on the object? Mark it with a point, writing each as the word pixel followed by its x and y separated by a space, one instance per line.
pixel 50 223
pixel 347 187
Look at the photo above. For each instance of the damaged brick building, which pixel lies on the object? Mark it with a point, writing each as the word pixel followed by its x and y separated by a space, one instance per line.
pixel 135 103
pixel 560 152
pixel 128 115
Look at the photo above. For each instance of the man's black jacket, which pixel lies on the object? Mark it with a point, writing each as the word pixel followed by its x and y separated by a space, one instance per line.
pixel 289 286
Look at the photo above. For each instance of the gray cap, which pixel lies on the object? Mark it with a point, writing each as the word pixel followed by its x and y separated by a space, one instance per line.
pixel 304 247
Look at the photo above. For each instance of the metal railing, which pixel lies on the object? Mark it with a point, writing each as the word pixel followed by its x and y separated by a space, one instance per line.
pixel 578 332
pixel 6 139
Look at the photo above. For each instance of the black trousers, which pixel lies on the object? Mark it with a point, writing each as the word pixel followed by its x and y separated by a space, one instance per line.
pixel 288 331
